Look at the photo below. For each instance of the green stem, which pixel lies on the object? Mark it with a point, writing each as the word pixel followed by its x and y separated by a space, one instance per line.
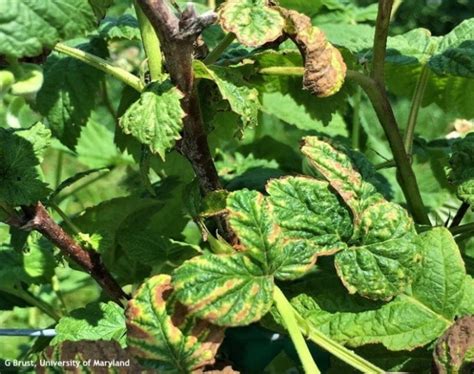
pixel 220 48
pixel 33 300
pixel 407 179
pixel 211 4
pixel 469 227
pixel 61 198
pixel 102 65
pixel 356 125
pixel 336 349
pixel 288 316
pixel 59 168
pixel 145 169
pixel 415 108
pixel 151 44
pixel 65 218
pixel 385 165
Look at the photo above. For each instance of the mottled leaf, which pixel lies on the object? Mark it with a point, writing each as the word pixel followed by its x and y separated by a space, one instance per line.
pixel 151 248
pixel 307 209
pixel 156 119
pixel 29 26
pixel 252 21
pixel 339 170
pixel 96 321
pixel 160 334
pixel 251 218
pixel 242 100
pixel 284 253
pixel 228 290
pixel 413 319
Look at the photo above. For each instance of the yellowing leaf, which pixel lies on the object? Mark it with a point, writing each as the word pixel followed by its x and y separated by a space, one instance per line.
pixel 161 336
pixel 227 290
pixel 156 119
pixel 252 21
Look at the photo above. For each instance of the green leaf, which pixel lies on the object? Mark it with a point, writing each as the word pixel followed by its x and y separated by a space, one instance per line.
pixel 156 119
pixel 124 27
pixel 411 320
pixel 100 7
pixel 39 136
pixel 227 290
pixel 69 92
pixel 242 100
pixel 449 58
pixel 306 209
pixel 252 21
pixel 96 321
pixel 467 304
pixel 462 168
pixel 96 149
pixel 20 181
pixel 151 248
pixel 162 336
pixel 233 165
pixel 35 264
pixel 29 26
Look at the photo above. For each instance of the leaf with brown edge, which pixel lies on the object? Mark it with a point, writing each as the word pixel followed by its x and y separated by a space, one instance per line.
pixel 100 353
pixel 251 218
pixel 339 170
pixel 163 336
pixel 227 290
pixel 252 21
pixel 454 351
pixel 325 70
pixel 254 218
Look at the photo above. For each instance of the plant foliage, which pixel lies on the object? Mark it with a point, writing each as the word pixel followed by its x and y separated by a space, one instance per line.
pixel 179 183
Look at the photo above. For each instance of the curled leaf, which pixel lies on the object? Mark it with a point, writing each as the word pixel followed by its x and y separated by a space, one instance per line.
pixel 252 21
pixel 161 334
pixel 325 69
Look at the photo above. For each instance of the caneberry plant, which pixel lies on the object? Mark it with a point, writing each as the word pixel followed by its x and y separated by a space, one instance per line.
pixel 247 186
